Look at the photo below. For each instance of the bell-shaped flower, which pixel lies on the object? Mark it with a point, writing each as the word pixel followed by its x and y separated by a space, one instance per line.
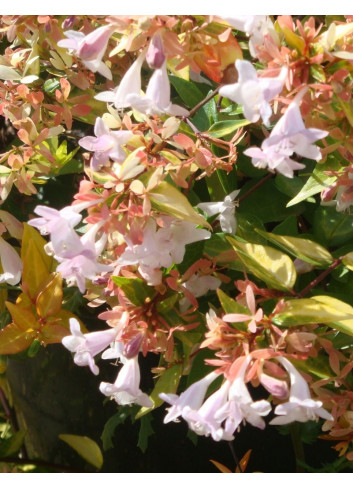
pixel 52 219
pixel 256 27
pixel 240 405
pixel 191 399
pixel 287 137
pixel 11 264
pixel 225 211
pixel 107 145
pixel 161 248
pixel 156 101
pixel 300 407
pixel 90 48
pixel 87 346
pixel 203 421
pixel 130 85
pixel 126 388
pixel 254 93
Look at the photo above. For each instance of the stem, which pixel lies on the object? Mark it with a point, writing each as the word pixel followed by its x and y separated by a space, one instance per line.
pixel 297 445
pixel 236 460
pixel 320 277
pixel 256 186
pixel 10 414
pixel 204 101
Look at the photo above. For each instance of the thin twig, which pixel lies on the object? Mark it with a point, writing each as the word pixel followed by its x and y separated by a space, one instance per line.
pixel 204 101
pixel 320 277
pixel 236 460
pixel 255 187
pixel 11 416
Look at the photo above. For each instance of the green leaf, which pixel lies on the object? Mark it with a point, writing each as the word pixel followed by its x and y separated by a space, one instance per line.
pixel 224 128
pixel 316 182
pixel 190 94
pixel 293 40
pixel 272 266
pixel 145 432
pixel 305 249
pixel 10 446
pixel 332 228
pixel 168 382
pixel 85 447
pixel 230 306
pixel 135 289
pixel 319 309
pixel 110 426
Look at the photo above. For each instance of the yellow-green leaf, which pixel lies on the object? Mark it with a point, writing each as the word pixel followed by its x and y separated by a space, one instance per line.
pixel 49 300
pixel 23 317
pixel 272 266
pixel 345 325
pixel 166 198
pixel 85 447
pixel 14 339
pixel 348 261
pixel 320 309
pixel 305 249
pixel 293 40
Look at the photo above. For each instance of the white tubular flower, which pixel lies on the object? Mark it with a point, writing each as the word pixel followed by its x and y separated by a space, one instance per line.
pixel 301 407
pixel 191 399
pixel 87 346
pixel 203 421
pixel 225 211
pixel 254 93
pixel 240 406
pixel 126 388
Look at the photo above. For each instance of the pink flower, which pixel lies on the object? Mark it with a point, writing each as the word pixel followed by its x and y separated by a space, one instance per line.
pixel 287 137
pixel 256 316
pixel 87 346
pixel 300 407
pixel 106 145
pixel 254 93
pixel 125 389
pixel 90 48
pixel 155 56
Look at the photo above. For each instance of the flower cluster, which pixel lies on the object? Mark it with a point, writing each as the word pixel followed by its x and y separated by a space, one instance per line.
pixel 197 159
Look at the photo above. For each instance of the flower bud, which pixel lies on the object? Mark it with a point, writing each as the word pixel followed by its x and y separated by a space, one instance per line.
pixel 155 56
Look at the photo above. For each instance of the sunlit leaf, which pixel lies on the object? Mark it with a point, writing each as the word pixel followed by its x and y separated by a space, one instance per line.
pixel 86 448
pixel 270 265
pixel 49 300
pixel 167 198
pixel 14 339
pixel 224 128
pixel 135 289
pixel 320 309
pixel 305 249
